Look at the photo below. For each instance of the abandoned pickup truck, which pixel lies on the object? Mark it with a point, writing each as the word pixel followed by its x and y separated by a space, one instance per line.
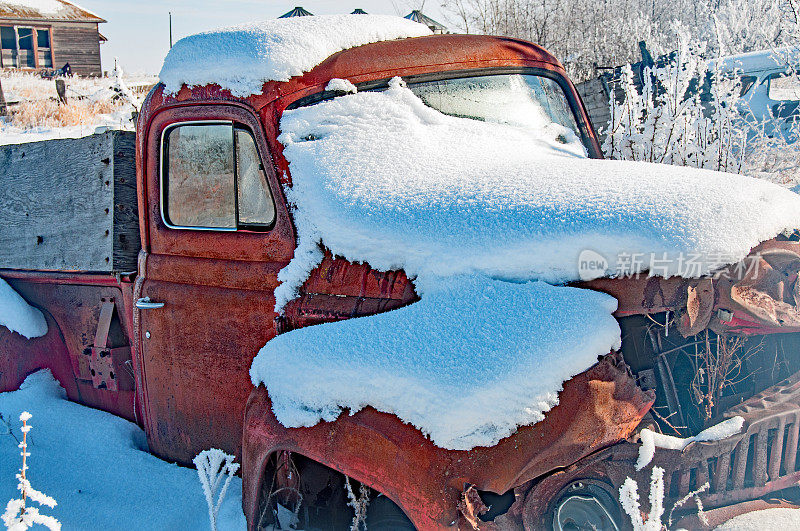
pixel 387 270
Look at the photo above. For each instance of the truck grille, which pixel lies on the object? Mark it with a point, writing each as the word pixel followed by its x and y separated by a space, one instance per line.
pixel 749 465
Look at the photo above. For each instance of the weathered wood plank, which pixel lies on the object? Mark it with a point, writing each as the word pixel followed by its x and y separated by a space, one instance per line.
pixel 57 204
pixel 127 241
pixel 595 98
pixel 79 45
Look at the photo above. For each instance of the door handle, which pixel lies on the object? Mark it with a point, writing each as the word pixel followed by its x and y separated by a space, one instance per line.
pixel 146 304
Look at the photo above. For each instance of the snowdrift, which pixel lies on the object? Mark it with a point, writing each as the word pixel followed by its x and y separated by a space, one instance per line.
pixel 19 316
pixel 471 361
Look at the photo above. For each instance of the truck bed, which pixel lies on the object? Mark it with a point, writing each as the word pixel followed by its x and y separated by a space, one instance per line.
pixel 70 204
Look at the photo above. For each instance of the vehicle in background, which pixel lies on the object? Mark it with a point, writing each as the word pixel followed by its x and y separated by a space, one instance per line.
pixel 770 88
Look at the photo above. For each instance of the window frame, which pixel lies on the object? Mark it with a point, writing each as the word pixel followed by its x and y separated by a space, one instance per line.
pixel 35 49
pixel 768 81
pixel 164 180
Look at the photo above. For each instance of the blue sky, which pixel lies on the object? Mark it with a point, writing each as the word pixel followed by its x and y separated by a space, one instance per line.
pixel 138 30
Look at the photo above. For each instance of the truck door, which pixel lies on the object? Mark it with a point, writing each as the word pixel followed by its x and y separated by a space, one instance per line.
pixel 217 232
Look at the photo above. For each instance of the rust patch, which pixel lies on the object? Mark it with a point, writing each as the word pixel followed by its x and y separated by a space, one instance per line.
pixel 471 506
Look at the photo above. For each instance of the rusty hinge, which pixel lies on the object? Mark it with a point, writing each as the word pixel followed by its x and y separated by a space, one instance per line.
pixel 107 365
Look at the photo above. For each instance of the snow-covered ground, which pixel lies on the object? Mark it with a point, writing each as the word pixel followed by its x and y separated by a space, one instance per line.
pixel 780 519
pixel 97 467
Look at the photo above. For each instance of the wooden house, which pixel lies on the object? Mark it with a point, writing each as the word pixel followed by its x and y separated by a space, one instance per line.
pixel 46 34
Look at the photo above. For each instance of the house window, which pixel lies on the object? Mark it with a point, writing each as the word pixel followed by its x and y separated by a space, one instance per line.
pixel 25 47
pixel 213 178
pixel 44 53
pixel 8 41
pixel 26 57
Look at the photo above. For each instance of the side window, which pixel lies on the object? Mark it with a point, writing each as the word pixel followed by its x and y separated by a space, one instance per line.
pixel 784 87
pixel 212 177
pixel 747 82
pixel 255 200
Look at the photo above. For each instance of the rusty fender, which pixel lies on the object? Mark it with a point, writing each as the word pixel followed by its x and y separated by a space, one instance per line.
pixel 597 408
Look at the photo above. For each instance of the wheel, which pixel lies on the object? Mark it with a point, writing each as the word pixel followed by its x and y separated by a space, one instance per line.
pixel 586 505
pixel 384 515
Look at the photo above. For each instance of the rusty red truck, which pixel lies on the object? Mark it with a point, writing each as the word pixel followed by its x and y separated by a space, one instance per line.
pixel 161 327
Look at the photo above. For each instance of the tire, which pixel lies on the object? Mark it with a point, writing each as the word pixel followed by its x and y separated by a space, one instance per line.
pixel 585 505
pixel 384 515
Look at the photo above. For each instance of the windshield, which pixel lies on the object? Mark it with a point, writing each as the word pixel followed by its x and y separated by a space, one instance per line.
pixel 521 100
pixel 529 101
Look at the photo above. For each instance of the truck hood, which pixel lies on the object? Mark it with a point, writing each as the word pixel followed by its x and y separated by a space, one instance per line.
pixel 379 177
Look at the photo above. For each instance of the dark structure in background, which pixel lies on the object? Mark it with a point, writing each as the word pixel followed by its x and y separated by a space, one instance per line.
pixel 419 16
pixel 297 12
pixel 596 92
pixel 35 39
pixel 416 16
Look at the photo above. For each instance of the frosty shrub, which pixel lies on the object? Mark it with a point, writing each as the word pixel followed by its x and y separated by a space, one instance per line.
pixel 667 122
pixel 629 499
pixel 18 515
pixel 585 35
pixel 215 469
pixel 359 504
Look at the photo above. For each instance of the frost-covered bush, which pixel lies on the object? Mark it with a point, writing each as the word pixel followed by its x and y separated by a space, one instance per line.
pixel 585 35
pixel 629 499
pixel 18 516
pixel 215 469
pixel 668 122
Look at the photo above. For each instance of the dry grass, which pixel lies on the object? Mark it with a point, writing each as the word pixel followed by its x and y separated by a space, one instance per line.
pixel 50 113
pixel 34 101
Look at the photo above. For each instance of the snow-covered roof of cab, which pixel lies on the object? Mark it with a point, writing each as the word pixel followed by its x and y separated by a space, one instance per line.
pixel 249 56
pixel 242 58
pixel 431 53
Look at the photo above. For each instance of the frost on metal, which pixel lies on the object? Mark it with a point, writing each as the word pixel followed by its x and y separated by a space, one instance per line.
pixel 242 58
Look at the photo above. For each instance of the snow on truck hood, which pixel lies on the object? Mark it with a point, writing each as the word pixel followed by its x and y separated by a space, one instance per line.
pixel 242 58
pixel 379 177
pixel 479 213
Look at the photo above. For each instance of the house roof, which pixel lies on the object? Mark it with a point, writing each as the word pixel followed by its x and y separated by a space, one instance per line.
pixel 46 10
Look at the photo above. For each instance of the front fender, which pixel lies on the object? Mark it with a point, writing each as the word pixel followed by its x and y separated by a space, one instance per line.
pixel 596 408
